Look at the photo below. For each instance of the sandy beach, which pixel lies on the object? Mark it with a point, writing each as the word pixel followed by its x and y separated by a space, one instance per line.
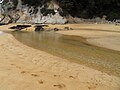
pixel 107 36
pixel 25 68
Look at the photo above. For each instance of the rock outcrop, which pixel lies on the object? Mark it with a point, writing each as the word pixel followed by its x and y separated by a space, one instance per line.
pixel 47 13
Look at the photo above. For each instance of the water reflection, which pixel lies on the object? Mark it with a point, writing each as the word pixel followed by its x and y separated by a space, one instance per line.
pixel 74 49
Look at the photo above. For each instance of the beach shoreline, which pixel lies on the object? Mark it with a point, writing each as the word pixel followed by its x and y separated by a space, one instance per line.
pixel 25 68
pixel 106 36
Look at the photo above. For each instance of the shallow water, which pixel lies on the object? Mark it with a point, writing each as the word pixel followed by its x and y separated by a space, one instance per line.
pixel 74 49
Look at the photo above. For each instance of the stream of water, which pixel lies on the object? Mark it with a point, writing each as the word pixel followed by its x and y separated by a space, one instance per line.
pixel 74 49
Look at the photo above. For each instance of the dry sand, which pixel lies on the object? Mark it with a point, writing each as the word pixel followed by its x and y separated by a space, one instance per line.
pixel 103 35
pixel 25 68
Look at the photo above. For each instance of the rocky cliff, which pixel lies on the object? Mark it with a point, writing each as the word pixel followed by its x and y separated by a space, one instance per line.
pixel 57 11
pixel 22 12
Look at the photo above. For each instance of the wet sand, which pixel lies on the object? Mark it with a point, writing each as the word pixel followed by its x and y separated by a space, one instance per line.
pixel 102 35
pixel 107 36
pixel 73 48
pixel 25 68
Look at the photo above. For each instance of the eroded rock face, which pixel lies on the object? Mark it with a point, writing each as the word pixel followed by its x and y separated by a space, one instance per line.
pixel 47 13
pixel 27 17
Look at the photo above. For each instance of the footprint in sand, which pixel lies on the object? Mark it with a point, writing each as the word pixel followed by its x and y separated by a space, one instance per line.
pixel 12 64
pixel 40 81
pixel 34 75
pixel 60 86
pixel 18 67
pixel 42 71
pixel 15 66
pixel 92 85
pixel 24 72
pixel 72 77
pixel 56 75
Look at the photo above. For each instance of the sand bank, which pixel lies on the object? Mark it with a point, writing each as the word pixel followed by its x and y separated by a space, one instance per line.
pixel 24 68
pixel 107 36
pixel 101 27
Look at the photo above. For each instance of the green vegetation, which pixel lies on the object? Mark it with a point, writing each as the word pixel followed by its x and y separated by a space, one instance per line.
pixel 85 8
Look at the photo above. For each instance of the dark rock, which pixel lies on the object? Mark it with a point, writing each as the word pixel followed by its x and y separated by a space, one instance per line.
pixel 39 28
pixel 66 28
pixel 56 29
pixel 2 24
pixel 20 27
